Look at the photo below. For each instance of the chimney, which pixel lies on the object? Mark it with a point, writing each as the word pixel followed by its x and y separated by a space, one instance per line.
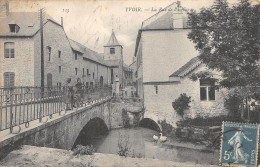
pixel 178 4
pixel 7 8
pixel 61 21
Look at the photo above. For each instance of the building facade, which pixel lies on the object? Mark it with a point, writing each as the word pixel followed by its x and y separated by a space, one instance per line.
pixel 162 47
pixel 20 56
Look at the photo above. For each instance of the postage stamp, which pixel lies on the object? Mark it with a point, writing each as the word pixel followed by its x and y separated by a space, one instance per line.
pixel 239 144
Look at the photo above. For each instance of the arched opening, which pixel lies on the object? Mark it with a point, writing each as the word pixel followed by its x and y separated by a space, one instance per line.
pixel 101 81
pixel 96 128
pixel 150 124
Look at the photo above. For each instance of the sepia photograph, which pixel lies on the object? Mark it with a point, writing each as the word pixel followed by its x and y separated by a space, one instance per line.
pixel 121 83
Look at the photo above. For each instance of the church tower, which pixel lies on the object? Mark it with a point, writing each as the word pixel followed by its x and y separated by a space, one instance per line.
pixel 113 50
pixel 113 53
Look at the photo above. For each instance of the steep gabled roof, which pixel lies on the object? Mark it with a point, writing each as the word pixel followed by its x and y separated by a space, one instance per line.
pixel 166 18
pixel 28 22
pixel 113 40
pixel 187 68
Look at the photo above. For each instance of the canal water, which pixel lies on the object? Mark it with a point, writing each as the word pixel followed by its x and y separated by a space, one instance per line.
pixel 141 144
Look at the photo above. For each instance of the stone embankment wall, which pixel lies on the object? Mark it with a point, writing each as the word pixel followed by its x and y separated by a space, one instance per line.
pixel 132 106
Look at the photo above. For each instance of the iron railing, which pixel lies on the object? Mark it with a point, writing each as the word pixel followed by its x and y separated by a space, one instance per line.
pixel 21 105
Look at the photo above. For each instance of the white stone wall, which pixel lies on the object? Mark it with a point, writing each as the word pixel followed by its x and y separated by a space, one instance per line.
pixel 164 52
pixel 27 66
pixel 55 37
pixel 159 106
pixel 22 64
pixel 116 56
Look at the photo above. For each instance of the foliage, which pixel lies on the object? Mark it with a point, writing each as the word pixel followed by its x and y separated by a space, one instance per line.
pixel 125 119
pixel 123 146
pixel 226 38
pixel 232 103
pixel 181 104
pixel 167 128
pixel 205 121
pixel 83 150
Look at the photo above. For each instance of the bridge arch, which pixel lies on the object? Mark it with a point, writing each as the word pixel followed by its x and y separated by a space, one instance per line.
pixel 150 124
pixel 94 128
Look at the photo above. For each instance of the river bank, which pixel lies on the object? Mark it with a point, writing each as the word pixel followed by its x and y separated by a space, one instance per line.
pixel 43 156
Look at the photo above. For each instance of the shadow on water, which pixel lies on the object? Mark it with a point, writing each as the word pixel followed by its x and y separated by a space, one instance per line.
pixel 95 129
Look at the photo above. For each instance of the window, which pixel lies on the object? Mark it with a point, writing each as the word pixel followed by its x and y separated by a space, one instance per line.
pixel 49 52
pixel 83 71
pixel 14 28
pixel 207 89
pixel 87 72
pixel 59 53
pixel 9 79
pixel 112 50
pixel 9 49
pixel 87 85
pixel 76 70
pixel 59 69
pixel 76 56
pixel 156 89
pixel 93 75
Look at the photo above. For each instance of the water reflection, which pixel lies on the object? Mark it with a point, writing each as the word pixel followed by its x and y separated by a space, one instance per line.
pixel 141 144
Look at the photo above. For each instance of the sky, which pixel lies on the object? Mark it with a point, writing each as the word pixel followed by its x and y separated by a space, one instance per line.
pixel 90 22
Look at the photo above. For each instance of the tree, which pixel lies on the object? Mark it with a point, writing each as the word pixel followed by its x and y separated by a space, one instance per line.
pixel 181 104
pixel 227 39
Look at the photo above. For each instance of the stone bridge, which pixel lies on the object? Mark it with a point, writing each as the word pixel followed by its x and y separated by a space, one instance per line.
pixel 64 130
pixel 70 128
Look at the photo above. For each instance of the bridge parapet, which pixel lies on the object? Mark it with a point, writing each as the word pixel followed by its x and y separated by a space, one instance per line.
pixel 59 132
pixel 19 106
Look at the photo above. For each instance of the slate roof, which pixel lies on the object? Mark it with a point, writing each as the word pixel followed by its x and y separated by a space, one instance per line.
pixel 165 18
pixel 112 63
pixel 28 22
pixel 88 53
pixel 77 46
pixel 187 68
pixel 113 40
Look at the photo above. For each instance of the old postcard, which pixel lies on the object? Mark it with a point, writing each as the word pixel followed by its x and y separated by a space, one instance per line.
pixel 129 83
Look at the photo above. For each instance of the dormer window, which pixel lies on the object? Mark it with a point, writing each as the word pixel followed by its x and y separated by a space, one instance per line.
pixel 14 28
pixel 112 50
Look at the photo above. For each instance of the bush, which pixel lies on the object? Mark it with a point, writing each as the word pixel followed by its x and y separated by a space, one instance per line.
pixel 181 104
pixel 83 150
pixel 136 120
pixel 233 103
pixel 167 128
pixel 125 119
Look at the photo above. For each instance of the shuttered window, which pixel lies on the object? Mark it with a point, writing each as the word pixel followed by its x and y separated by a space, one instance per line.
pixel 9 49
pixel 8 79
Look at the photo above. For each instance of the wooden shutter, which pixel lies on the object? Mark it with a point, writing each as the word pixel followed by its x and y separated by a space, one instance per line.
pixel 9 79
pixel 6 79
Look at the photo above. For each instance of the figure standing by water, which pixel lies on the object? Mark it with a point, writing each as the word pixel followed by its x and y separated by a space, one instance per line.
pixel 236 142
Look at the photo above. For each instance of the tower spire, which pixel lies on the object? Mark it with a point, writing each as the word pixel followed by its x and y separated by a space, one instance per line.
pixel 113 40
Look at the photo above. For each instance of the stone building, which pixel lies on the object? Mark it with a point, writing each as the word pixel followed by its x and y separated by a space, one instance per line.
pixel 63 58
pixel 162 47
